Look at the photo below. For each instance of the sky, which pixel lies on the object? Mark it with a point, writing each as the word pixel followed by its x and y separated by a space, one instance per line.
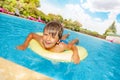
pixel 94 15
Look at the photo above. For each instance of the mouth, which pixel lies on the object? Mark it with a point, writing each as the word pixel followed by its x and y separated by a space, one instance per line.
pixel 48 43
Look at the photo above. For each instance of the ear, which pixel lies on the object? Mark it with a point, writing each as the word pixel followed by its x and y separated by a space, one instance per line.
pixel 58 42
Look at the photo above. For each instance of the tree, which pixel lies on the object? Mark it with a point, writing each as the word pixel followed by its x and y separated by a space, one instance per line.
pixel 111 30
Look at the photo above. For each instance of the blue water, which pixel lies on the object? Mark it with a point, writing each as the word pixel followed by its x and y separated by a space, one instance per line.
pixel 102 62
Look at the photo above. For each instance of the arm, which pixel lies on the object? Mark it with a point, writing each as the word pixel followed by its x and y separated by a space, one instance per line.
pixel 75 56
pixel 28 39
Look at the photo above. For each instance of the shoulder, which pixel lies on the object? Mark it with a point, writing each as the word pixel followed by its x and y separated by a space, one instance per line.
pixel 62 45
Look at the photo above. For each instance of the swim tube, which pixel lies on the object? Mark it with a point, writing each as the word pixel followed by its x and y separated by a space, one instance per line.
pixel 53 56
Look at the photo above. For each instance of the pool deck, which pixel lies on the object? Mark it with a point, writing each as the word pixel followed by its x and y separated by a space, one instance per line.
pixel 12 71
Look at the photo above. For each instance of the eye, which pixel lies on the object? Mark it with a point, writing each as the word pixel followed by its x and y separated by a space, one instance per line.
pixel 45 34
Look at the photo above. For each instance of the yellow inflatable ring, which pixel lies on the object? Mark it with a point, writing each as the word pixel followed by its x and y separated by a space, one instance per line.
pixel 59 57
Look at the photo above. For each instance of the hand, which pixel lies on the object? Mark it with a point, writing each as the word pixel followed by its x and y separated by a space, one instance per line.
pixel 21 47
pixel 76 58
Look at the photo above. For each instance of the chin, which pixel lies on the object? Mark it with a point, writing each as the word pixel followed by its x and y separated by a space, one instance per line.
pixel 48 47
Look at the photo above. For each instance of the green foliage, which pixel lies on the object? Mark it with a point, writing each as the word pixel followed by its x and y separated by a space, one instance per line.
pixel 73 25
pixel 28 8
pixel 9 5
pixel 111 30
pixel 53 17
pixel 36 3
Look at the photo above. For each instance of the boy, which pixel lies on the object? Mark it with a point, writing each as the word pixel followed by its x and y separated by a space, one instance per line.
pixel 52 40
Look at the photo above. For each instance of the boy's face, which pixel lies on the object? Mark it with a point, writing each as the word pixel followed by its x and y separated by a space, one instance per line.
pixel 49 41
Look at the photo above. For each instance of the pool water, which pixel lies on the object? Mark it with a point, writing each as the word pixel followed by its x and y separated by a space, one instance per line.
pixel 102 62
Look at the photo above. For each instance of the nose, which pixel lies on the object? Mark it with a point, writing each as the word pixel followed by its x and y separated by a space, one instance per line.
pixel 48 38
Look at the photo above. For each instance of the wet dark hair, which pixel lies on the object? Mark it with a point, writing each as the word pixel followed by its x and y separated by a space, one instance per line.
pixel 53 28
